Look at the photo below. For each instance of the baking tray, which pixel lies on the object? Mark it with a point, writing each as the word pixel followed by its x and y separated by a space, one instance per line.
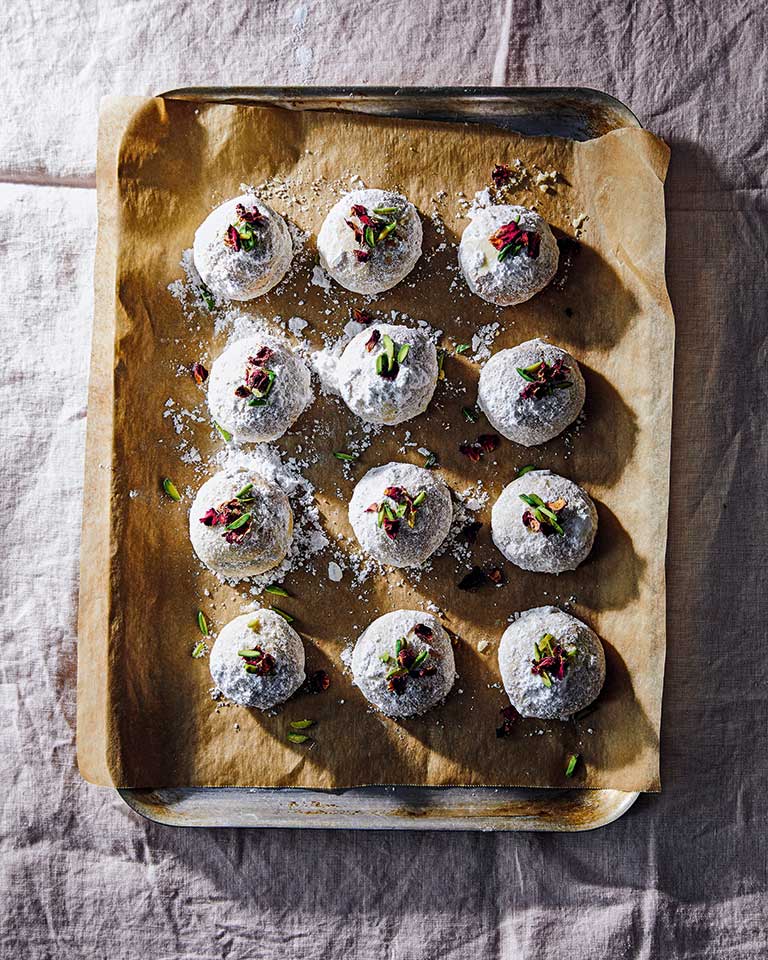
pixel 574 113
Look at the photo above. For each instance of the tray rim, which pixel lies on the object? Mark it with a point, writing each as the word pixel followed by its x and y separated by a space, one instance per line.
pixel 318 809
pixel 138 799
pixel 357 97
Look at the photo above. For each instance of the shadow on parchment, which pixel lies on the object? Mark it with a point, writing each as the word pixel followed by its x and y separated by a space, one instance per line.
pixel 606 441
pixel 609 578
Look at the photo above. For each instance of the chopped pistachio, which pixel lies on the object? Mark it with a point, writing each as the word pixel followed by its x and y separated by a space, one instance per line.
pixel 347 457
pixel 207 296
pixel 572 761
pixel 526 469
pixel 420 658
pixel 402 353
pixel 469 414
pixel 301 724
pixel 223 432
pixel 170 488
pixel 202 623
pixel 240 522
pixel 419 499
pixel 396 672
pixel 277 591
pixel 462 348
pixel 244 492
pixel 390 228
pixel 200 650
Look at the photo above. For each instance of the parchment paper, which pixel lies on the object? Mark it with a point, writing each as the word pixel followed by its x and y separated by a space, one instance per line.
pixel 155 724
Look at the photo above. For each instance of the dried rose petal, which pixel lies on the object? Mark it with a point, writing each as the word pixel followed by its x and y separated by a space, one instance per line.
pixel 316 682
pixel 263 355
pixel 398 494
pixel 495 575
pixel 360 316
pixel 361 212
pixel 212 517
pixel 501 175
pixel 546 379
pixel 509 233
pixel 232 238
pixel 199 373
pixel 471 451
pixel 555 664
pixel 531 522
pixel 423 631
pixel 374 508
pixel 242 391
pixel 391 527
pixel 363 255
pixel 489 442
pixel 257 379
pixel 406 657
pixel 237 536
pixel 508 717
pixel 397 684
pixel 358 231
pixel 373 340
pixel 248 216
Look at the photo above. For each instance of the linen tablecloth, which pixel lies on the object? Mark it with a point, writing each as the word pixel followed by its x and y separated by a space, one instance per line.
pixel 683 874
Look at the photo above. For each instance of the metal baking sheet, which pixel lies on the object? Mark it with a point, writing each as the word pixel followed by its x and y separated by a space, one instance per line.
pixel 574 113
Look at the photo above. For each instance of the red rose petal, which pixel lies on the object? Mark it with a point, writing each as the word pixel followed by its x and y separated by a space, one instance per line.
pixel 232 238
pixel 199 373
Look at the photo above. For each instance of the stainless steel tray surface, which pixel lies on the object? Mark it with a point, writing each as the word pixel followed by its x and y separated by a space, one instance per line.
pixel 569 112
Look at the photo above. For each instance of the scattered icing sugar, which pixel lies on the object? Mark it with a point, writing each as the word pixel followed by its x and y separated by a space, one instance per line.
pixel 190 292
pixel 296 325
pixel 483 340
pixel 320 278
